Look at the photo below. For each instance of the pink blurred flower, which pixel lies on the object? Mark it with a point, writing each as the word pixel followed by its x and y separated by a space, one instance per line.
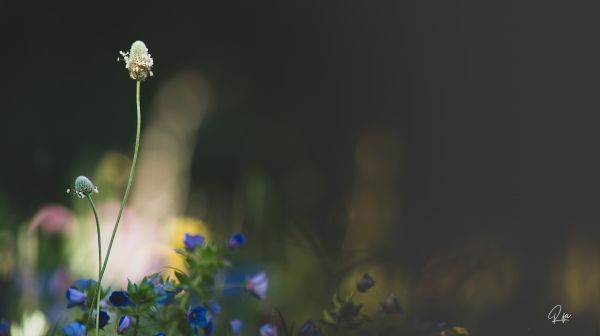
pixel 53 219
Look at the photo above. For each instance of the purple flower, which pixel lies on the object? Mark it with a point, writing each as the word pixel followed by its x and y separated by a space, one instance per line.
pixel 4 328
pixel 192 241
pixel 268 330
pixel 124 323
pixel 236 327
pixel 119 299
pixel 308 329
pixel 197 318
pixel 236 241
pixel 257 285
pixel 74 329
pixel 391 305
pixel 365 283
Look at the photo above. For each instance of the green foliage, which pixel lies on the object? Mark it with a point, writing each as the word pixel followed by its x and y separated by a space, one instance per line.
pixel 345 314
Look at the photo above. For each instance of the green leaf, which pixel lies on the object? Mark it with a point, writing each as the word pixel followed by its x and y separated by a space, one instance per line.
pixel 328 318
pixel 182 278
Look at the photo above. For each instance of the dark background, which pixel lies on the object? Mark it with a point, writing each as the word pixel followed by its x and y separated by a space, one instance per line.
pixel 493 103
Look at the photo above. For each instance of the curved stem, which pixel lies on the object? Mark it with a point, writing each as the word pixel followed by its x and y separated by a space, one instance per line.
pixel 102 269
pixel 93 206
pixel 131 172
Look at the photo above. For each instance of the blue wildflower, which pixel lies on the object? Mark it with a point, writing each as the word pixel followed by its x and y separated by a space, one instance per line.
pixel 365 283
pixel 209 329
pixel 192 241
pixel 257 285
pixel 213 307
pixel 161 334
pixel 104 318
pixel 308 329
pixel 236 327
pixel 74 329
pixel 268 330
pixel 124 323
pixel 4 328
pixel 236 241
pixel 165 292
pixel 76 294
pixel 75 297
pixel 197 318
pixel 391 305
pixel 119 299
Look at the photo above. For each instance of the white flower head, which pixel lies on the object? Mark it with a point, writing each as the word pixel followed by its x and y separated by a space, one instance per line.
pixel 138 61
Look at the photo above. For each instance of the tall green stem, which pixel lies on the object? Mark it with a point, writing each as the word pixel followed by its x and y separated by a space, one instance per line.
pixel 93 206
pixel 131 173
pixel 127 189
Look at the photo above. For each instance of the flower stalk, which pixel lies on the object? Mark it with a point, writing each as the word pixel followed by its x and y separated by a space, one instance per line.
pixel 127 189
pixel 99 290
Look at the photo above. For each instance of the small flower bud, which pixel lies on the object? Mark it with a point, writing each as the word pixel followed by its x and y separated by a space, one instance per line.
pixel 138 61
pixel 391 305
pixel 84 187
pixel 308 329
pixel 124 324
pixel 236 240
pixel 365 283
pixel 257 285
pixel 235 326
pixel 268 330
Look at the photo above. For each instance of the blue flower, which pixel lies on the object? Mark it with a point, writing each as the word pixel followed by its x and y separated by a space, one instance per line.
pixel 257 285
pixel 236 241
pixel 268 330
pixel 192 241
pixel 119 299
pixel 161 334
pixel 165 293
pixel 308 329
pixel 104 318
pixel 74 329
pixel 197 318
pixel 209 329
pixel 4 328
pixel 391 305
pixel 75 297
pixel 236 327
pixel 76 294
pixel 124 323
pixel 213 307
pixel 365 283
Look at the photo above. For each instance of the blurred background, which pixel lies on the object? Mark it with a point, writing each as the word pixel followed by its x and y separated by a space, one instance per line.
pixel 449 149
